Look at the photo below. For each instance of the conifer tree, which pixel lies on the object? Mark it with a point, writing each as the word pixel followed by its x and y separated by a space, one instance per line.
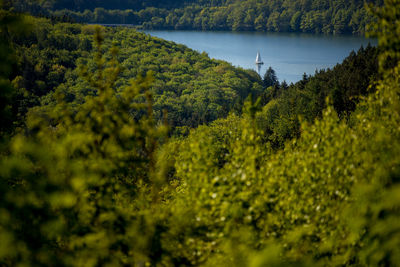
pixel 270 78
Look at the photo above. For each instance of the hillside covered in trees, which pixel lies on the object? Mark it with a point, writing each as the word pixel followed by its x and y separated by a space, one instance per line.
pixel 322 16
pixel 122 149
pixel 190 87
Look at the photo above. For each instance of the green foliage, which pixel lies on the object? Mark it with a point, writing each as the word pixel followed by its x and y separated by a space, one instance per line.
pixel 387 29
pixel 93 180
pixel 345 84
pixel 189 86
pixel 329 198
pixel 69 191
pixel 330 17
pixel 10 24
pixel 44 59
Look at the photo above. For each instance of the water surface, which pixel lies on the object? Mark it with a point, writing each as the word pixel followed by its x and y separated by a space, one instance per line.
pixel 290 55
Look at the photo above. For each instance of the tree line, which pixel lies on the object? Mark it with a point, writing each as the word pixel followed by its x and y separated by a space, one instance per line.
pixel 322 16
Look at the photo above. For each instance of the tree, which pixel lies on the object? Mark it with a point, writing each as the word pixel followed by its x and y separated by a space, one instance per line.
pixel 270 78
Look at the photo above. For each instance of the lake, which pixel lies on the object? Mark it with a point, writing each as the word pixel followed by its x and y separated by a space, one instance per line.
pixel 289 54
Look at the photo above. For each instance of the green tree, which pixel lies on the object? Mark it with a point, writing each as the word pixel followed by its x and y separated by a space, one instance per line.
pixel 270 78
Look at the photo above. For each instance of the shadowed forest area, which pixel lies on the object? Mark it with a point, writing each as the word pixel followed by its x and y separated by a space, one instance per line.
pixel 121 149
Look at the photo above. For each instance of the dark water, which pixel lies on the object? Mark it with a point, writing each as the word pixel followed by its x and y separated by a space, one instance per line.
pixel 290 55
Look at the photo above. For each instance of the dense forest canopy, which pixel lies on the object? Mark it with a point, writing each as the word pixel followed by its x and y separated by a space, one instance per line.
pixel 81 5
pixel 322 16
pixel 190 87
pixel 90 174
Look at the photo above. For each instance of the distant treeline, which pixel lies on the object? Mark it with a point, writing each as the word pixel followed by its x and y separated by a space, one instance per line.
pixel 322 16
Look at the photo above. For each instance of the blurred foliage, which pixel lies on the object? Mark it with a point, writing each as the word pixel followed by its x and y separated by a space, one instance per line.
pixel 93 180
pixel 80 191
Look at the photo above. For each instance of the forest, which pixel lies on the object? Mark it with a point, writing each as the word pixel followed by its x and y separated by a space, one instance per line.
pixel 191 87
pixel 121 149
pixel 322 16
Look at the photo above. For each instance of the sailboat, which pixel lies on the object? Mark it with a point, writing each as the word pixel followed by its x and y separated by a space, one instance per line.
pixel 258 59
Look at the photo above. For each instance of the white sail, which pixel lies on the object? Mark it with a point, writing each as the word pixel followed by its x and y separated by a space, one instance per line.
pixel 258 59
